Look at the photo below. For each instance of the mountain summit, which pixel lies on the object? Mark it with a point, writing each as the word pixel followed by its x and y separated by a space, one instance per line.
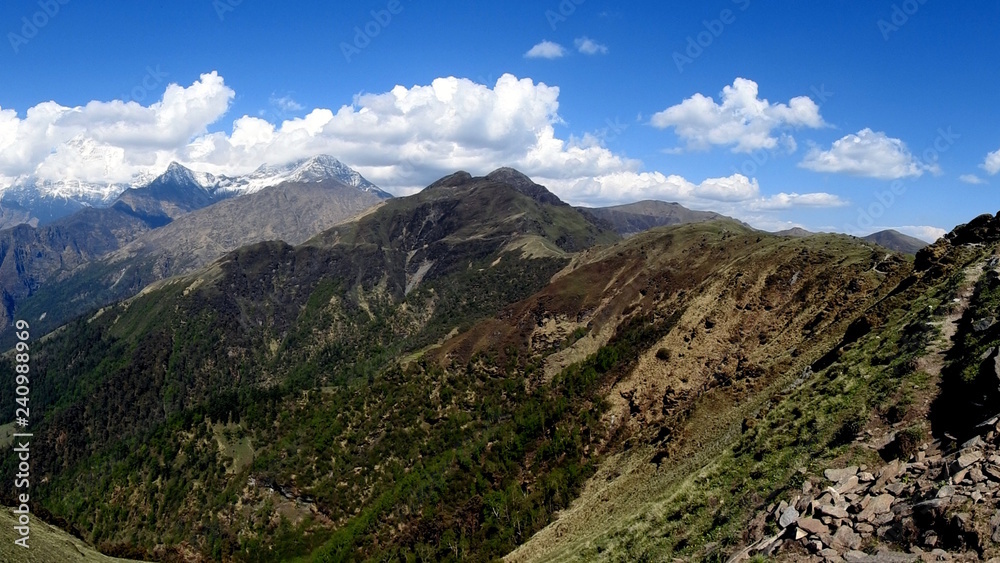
pixel 306 171
pixel 35 201
pixel 523 184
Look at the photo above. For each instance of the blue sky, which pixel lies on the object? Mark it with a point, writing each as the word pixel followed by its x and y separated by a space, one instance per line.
pixel 846 116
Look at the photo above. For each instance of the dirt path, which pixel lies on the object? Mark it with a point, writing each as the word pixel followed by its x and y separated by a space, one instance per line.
pixel 933 362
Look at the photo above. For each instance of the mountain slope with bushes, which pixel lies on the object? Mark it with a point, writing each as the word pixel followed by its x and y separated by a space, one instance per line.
pixel 481 371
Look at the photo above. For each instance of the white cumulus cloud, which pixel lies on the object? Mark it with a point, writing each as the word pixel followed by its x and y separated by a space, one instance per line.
pixel 402 140
pixel 108 141
pixel 588 46
pixel 788 201
pixel 868 153
pixel 742 120
pixel 992 163
pixel 734 195
pixel 626 186
pixel 546 50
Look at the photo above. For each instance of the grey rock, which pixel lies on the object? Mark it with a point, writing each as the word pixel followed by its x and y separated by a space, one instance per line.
pixel 832 511
pixel 884 556
pixel 883 519
pixel 779 510
pixel 788 517
pixel 849 485
pixel 889 556
pixel 840 475
pixel 946 491
pixel 983 325
pixel 975 442
pixel 863 528
pixel 846 539
pixel 878 505
pixel 896 489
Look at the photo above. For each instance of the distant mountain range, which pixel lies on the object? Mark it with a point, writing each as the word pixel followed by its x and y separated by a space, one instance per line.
pixel 889 239
pixel 39 202
pixel 99 254
pixel 897 241
pixel 641 216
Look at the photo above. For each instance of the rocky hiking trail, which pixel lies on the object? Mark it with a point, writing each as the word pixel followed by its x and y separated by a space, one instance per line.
pixel 937 506
pixel 933 361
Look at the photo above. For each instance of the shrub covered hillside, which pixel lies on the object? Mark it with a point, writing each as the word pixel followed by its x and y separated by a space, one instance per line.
pixel 883 414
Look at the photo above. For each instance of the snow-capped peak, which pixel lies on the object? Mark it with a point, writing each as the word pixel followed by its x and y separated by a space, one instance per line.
pixel 31 191
pixel 312 170
pixel 180 174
